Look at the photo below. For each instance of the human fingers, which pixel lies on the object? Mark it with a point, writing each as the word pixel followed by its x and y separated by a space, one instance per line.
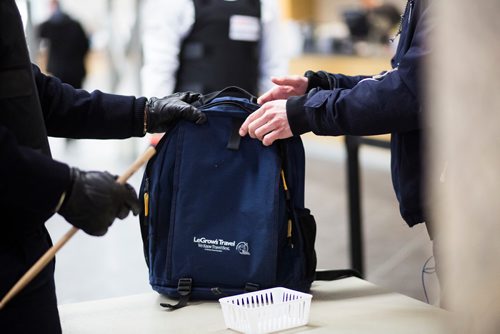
pixel 244 127
pixel 272 136
pixel 264 129
pixel 297 83
pixel 277 93
pixel 258 122
pixel 287 80
pixel 274 118
pixel 270 95
pixel 276 123
pixel 285 87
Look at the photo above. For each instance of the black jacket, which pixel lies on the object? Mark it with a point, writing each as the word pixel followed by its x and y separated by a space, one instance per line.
pixel 35 181
pixel 32 106
pixel 31 184
pixel 389 103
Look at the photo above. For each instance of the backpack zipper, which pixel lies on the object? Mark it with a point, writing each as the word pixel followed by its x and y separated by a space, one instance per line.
pixel 289 222
pixel 239 105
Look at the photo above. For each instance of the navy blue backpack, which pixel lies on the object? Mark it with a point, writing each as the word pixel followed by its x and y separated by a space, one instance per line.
pixel 223 214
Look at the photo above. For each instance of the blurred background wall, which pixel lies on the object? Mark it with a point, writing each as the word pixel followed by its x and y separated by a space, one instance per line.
pixel 464 142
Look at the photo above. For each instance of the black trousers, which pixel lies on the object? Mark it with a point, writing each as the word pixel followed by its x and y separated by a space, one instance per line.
pixel 34 309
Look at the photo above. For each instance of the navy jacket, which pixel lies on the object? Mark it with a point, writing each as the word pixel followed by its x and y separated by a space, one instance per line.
pixel 31 182
pixel 389 103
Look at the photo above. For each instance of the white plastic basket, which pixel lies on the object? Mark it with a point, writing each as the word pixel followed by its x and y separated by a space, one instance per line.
pixel 266 311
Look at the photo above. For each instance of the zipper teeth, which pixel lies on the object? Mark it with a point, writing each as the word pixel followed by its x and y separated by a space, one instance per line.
pixel 409 5
pixel 410 10
pixel 239 105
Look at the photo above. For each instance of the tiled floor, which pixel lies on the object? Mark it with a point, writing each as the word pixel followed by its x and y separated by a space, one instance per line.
pixel 92 268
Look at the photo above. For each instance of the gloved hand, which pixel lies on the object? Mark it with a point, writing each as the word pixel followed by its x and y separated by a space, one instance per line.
pixel 95 199
pixel 162 113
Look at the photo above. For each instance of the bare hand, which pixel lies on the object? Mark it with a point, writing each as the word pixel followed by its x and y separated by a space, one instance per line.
pixel 268 123
pixel 286 86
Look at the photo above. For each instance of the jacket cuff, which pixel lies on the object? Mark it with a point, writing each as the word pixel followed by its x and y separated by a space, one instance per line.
pixel 139 125
pixel 60 178
pixel 296 114
pixel 320 79
pixel 46 197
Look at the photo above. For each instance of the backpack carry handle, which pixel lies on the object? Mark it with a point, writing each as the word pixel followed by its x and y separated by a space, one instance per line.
pixel 233 91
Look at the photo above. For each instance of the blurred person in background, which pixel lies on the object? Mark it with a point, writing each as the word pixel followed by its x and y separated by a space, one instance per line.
pixel 206 45
pixel 336 104
pixel 34 186
pixel 373 22
pixel 67 46
pixel 384 19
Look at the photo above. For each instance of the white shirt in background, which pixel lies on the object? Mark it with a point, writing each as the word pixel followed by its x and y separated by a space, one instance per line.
pixel 167 22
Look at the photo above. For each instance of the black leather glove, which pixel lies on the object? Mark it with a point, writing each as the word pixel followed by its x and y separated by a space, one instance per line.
pixel 162 113
pixel 95 199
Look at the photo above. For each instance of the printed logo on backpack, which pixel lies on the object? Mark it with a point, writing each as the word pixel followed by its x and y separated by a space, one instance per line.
pixel 224 214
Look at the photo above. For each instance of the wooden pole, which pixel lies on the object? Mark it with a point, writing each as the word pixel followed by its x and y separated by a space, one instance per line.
pixel 50 254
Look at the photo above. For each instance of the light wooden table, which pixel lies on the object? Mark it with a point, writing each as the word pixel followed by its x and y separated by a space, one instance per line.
pixel 349 305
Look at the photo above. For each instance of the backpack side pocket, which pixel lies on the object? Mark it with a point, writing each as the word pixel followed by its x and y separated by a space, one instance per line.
pixel 307 226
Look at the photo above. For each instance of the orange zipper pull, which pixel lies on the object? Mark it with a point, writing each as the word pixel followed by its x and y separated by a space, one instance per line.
pixel 146 204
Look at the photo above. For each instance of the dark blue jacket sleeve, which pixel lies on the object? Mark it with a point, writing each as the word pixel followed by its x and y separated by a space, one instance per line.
pixel 32 183
pixel 372 106
pixel 76 113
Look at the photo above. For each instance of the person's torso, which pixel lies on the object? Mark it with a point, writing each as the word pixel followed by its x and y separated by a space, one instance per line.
pixel 20 109
pixel 406 30
pixel 21 232
pixel 406 147
pixel 222 48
